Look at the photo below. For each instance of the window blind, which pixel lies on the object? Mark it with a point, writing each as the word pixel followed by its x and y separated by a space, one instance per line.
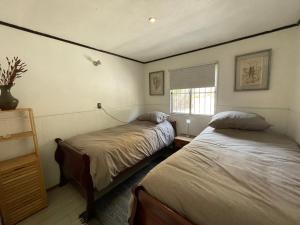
pixel 193 77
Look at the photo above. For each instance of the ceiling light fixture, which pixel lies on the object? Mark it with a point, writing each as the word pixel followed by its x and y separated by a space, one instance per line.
pixel 152 20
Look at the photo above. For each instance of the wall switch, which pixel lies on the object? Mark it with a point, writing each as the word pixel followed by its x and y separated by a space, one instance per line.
pixel 99 106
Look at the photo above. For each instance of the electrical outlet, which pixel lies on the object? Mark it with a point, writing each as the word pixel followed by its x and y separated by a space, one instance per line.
pixel 99 106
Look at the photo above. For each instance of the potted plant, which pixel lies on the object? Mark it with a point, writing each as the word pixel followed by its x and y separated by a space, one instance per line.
pixel 7 78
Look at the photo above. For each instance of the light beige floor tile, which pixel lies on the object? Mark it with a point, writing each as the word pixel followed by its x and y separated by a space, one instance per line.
pixel 64 206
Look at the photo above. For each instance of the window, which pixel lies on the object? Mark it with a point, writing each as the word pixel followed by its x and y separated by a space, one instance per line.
pixel 180 101
pixel 199 101
pixel 193 90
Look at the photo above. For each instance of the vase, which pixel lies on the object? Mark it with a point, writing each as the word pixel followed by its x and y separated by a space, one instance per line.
pixel 7 101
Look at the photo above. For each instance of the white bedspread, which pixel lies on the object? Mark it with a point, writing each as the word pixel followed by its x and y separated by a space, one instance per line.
pixel 115 149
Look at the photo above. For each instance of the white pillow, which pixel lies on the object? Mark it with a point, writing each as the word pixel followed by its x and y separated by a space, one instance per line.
pixel 156 117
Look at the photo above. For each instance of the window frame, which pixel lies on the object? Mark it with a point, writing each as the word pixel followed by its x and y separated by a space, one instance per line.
pixel 190 97
pixel 190 93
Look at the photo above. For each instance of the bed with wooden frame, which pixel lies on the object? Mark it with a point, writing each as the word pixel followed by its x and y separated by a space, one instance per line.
pixel 223 177
pixel 74 166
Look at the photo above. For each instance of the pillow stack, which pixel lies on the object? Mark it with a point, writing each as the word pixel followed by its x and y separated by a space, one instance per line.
pixel 239 120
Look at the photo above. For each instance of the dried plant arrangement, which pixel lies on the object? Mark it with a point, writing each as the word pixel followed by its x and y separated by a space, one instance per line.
pixel 7 79
pixel 15 68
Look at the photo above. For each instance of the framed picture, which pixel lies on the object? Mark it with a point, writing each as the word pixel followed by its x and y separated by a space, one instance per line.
pixel 156 83
pixel 252 71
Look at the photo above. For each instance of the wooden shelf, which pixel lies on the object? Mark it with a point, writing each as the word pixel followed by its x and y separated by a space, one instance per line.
pixel 16 136
pixel 18 161
pixel 22 188
pixel 16 110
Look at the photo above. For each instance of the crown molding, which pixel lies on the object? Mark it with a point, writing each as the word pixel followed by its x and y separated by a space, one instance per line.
pixel 150 61
pixel 228 42
pixel 64 40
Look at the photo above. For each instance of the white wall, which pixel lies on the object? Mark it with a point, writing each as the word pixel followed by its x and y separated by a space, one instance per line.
pixel 294 118
pixel 63 87
pixel 273 103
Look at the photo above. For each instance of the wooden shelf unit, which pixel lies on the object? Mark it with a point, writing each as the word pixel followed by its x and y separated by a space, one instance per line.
pixel 22 188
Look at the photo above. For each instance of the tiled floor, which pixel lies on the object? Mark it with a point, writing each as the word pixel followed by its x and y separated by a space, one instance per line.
pixel 64 206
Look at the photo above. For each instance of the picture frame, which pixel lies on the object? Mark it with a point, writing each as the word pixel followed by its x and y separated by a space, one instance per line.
pixel 157 83
pixel 252 71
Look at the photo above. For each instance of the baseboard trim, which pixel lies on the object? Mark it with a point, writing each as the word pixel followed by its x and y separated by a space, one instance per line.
pixel 52 187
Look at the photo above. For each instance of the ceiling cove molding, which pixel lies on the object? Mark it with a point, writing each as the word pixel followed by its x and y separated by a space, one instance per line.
pixel 150 61
pixel 64 40
pixel 228 42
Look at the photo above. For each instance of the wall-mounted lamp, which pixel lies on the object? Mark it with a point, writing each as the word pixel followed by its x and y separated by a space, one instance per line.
pixel 188 122
pixel 95 62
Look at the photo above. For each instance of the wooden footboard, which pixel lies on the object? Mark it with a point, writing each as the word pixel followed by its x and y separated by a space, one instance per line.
pixel 146 210
pixel 75 166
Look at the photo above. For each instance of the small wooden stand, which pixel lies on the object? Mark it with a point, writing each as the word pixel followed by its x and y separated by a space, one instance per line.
pixel 22 188
pixel 182 140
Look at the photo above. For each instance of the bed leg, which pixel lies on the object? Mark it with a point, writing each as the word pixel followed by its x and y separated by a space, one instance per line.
pixel 88 214
pixel 62 180
pixel 88 188
pixel 59 157
pixel 133 219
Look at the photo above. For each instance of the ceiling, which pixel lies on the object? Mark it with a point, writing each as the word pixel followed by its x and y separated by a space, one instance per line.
pixel 122 27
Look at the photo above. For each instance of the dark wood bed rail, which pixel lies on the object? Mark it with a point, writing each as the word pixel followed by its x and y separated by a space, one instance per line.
pixel 74 166
pixel 146 210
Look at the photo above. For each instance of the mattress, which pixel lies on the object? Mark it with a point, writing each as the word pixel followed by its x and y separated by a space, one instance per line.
pixel 231 177
pixel 113 150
